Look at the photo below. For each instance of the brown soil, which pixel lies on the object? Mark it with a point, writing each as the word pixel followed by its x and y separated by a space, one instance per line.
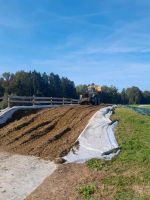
pixel 63 183
pixel 48 133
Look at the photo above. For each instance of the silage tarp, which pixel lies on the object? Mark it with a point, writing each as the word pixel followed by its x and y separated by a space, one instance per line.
pixel 7 113
pixel 97 139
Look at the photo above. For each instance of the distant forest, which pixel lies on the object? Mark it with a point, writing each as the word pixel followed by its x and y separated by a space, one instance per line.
pixel 52 85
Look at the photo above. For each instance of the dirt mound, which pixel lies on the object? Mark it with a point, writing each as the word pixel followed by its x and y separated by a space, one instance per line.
pixel 47 133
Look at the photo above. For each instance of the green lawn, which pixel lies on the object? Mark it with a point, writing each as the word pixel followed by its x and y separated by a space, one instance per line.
pixel 146 106
pixel 127 177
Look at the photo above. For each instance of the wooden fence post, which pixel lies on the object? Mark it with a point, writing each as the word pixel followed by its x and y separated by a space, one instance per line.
pixel 8 101
pixel 63 101
pixel 51 100
pixel 33 101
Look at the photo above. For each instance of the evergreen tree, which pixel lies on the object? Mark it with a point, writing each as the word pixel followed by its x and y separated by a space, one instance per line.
pixel 68 88
pixel 55 85
pixel 1 90
pixel 146 97
pixel 124 98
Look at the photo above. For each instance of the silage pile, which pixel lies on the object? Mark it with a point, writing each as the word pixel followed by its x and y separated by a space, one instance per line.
pixel 48 133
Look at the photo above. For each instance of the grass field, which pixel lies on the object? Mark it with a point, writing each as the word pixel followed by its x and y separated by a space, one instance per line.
pixel 141 106
pixel 145 110
pixel 146 106
pixel 127 177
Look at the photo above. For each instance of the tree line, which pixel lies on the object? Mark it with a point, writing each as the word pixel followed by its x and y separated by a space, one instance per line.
pixel 34 83
pixel 131 95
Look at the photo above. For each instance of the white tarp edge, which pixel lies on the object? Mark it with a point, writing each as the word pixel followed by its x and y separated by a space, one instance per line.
pixel 97 140
pixel 7 113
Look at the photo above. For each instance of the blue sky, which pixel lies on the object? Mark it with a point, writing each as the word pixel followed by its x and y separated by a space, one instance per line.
pixel 100 41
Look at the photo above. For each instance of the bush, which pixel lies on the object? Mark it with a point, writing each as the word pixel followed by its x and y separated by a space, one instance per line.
pixel 3 104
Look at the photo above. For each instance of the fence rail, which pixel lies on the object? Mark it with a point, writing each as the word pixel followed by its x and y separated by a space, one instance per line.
pixel 26 100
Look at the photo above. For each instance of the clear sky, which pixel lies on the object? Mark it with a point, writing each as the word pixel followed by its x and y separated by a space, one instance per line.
pixel 100 41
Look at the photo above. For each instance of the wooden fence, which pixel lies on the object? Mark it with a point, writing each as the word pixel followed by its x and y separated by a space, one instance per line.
pixel 26 100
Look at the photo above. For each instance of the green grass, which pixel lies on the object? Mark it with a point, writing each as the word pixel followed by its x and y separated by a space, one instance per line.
pixel 86 191
pixel 127 175
pixel 96 164
pixel 145 106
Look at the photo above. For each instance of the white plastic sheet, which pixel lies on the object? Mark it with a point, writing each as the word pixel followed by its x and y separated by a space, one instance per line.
pixel 7 113
pixel 97 139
